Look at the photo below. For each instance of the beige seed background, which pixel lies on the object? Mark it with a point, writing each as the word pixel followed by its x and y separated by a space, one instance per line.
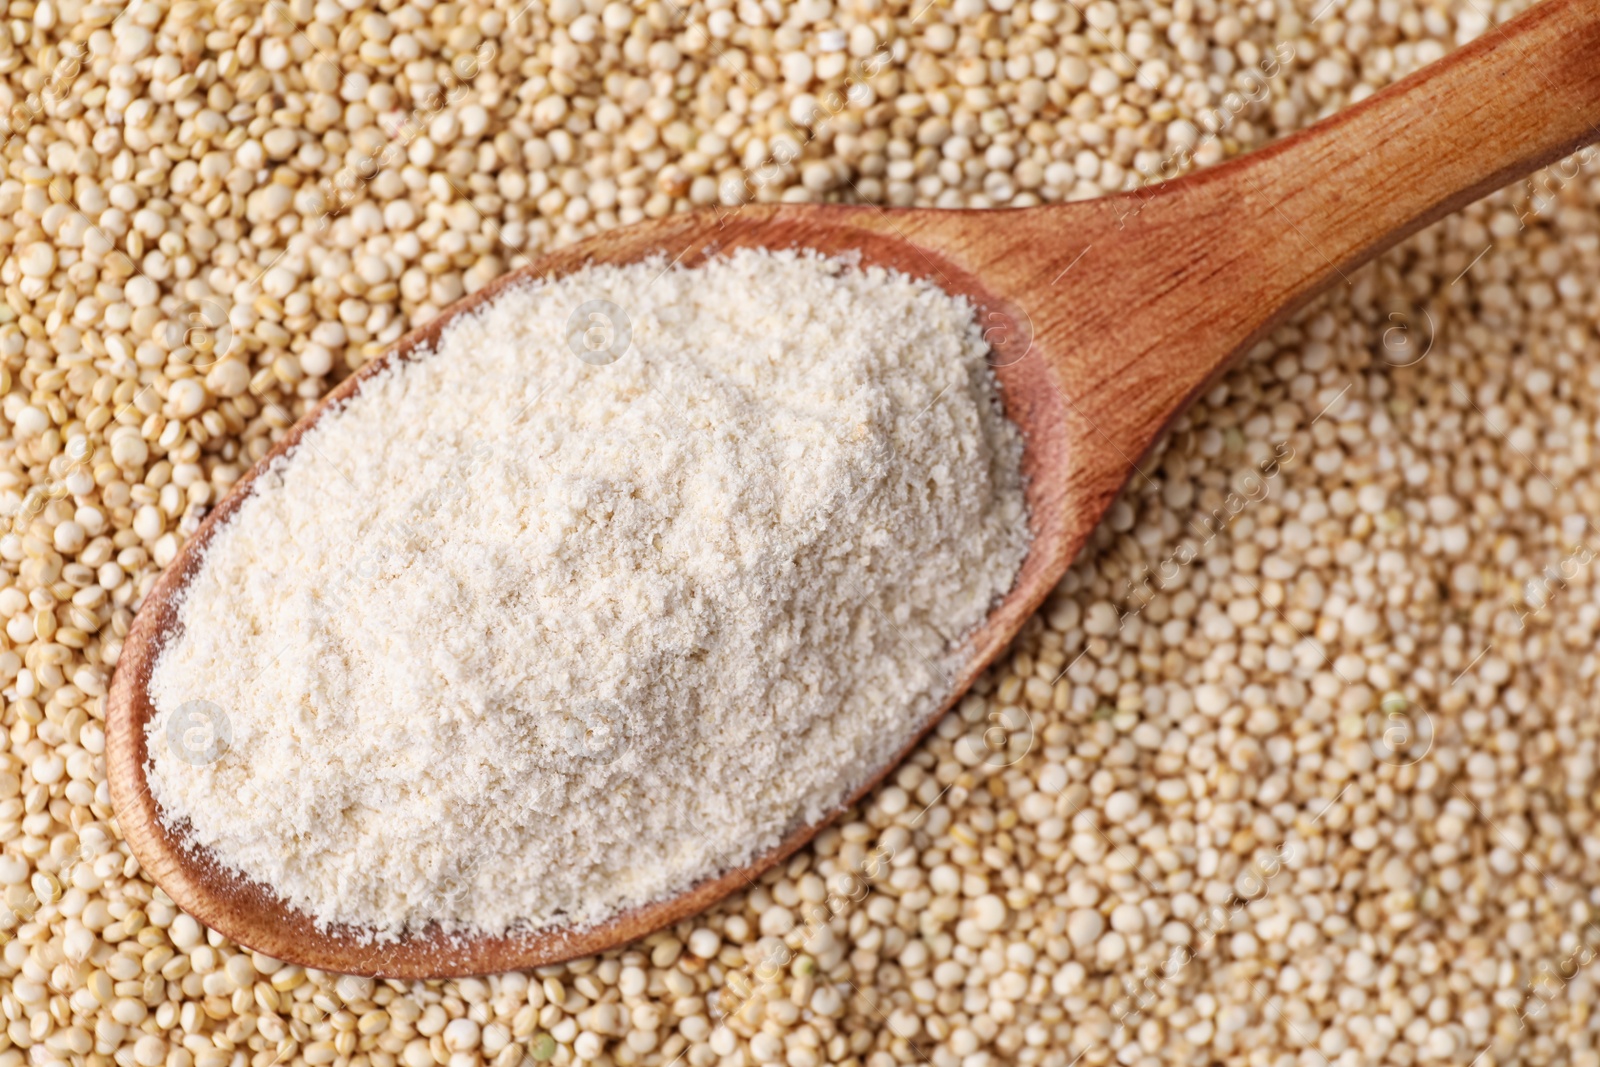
pixel 1301 775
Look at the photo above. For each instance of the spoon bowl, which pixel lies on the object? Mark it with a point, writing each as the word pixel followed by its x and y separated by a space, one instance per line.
pixel 1105 319
pixel 253 914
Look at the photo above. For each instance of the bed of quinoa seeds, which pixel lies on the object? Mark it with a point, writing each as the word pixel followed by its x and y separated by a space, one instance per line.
pixel 1298 766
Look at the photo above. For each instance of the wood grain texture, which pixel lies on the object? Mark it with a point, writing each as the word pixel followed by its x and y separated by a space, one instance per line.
pixel 1106 319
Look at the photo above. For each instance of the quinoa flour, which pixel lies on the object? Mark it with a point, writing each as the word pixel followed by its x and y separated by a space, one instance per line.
pixel 519 637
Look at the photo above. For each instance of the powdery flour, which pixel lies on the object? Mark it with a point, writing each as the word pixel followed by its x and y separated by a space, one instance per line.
pixel 516 638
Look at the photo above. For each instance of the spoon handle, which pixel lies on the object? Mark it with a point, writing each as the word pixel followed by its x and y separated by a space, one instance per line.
pixel 1520 96
pixel 1158 290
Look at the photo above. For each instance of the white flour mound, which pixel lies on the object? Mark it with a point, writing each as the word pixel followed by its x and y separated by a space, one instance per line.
pixel 517 639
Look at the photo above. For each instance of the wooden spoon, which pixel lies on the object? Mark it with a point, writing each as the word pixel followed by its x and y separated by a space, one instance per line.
pixel 1107 317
